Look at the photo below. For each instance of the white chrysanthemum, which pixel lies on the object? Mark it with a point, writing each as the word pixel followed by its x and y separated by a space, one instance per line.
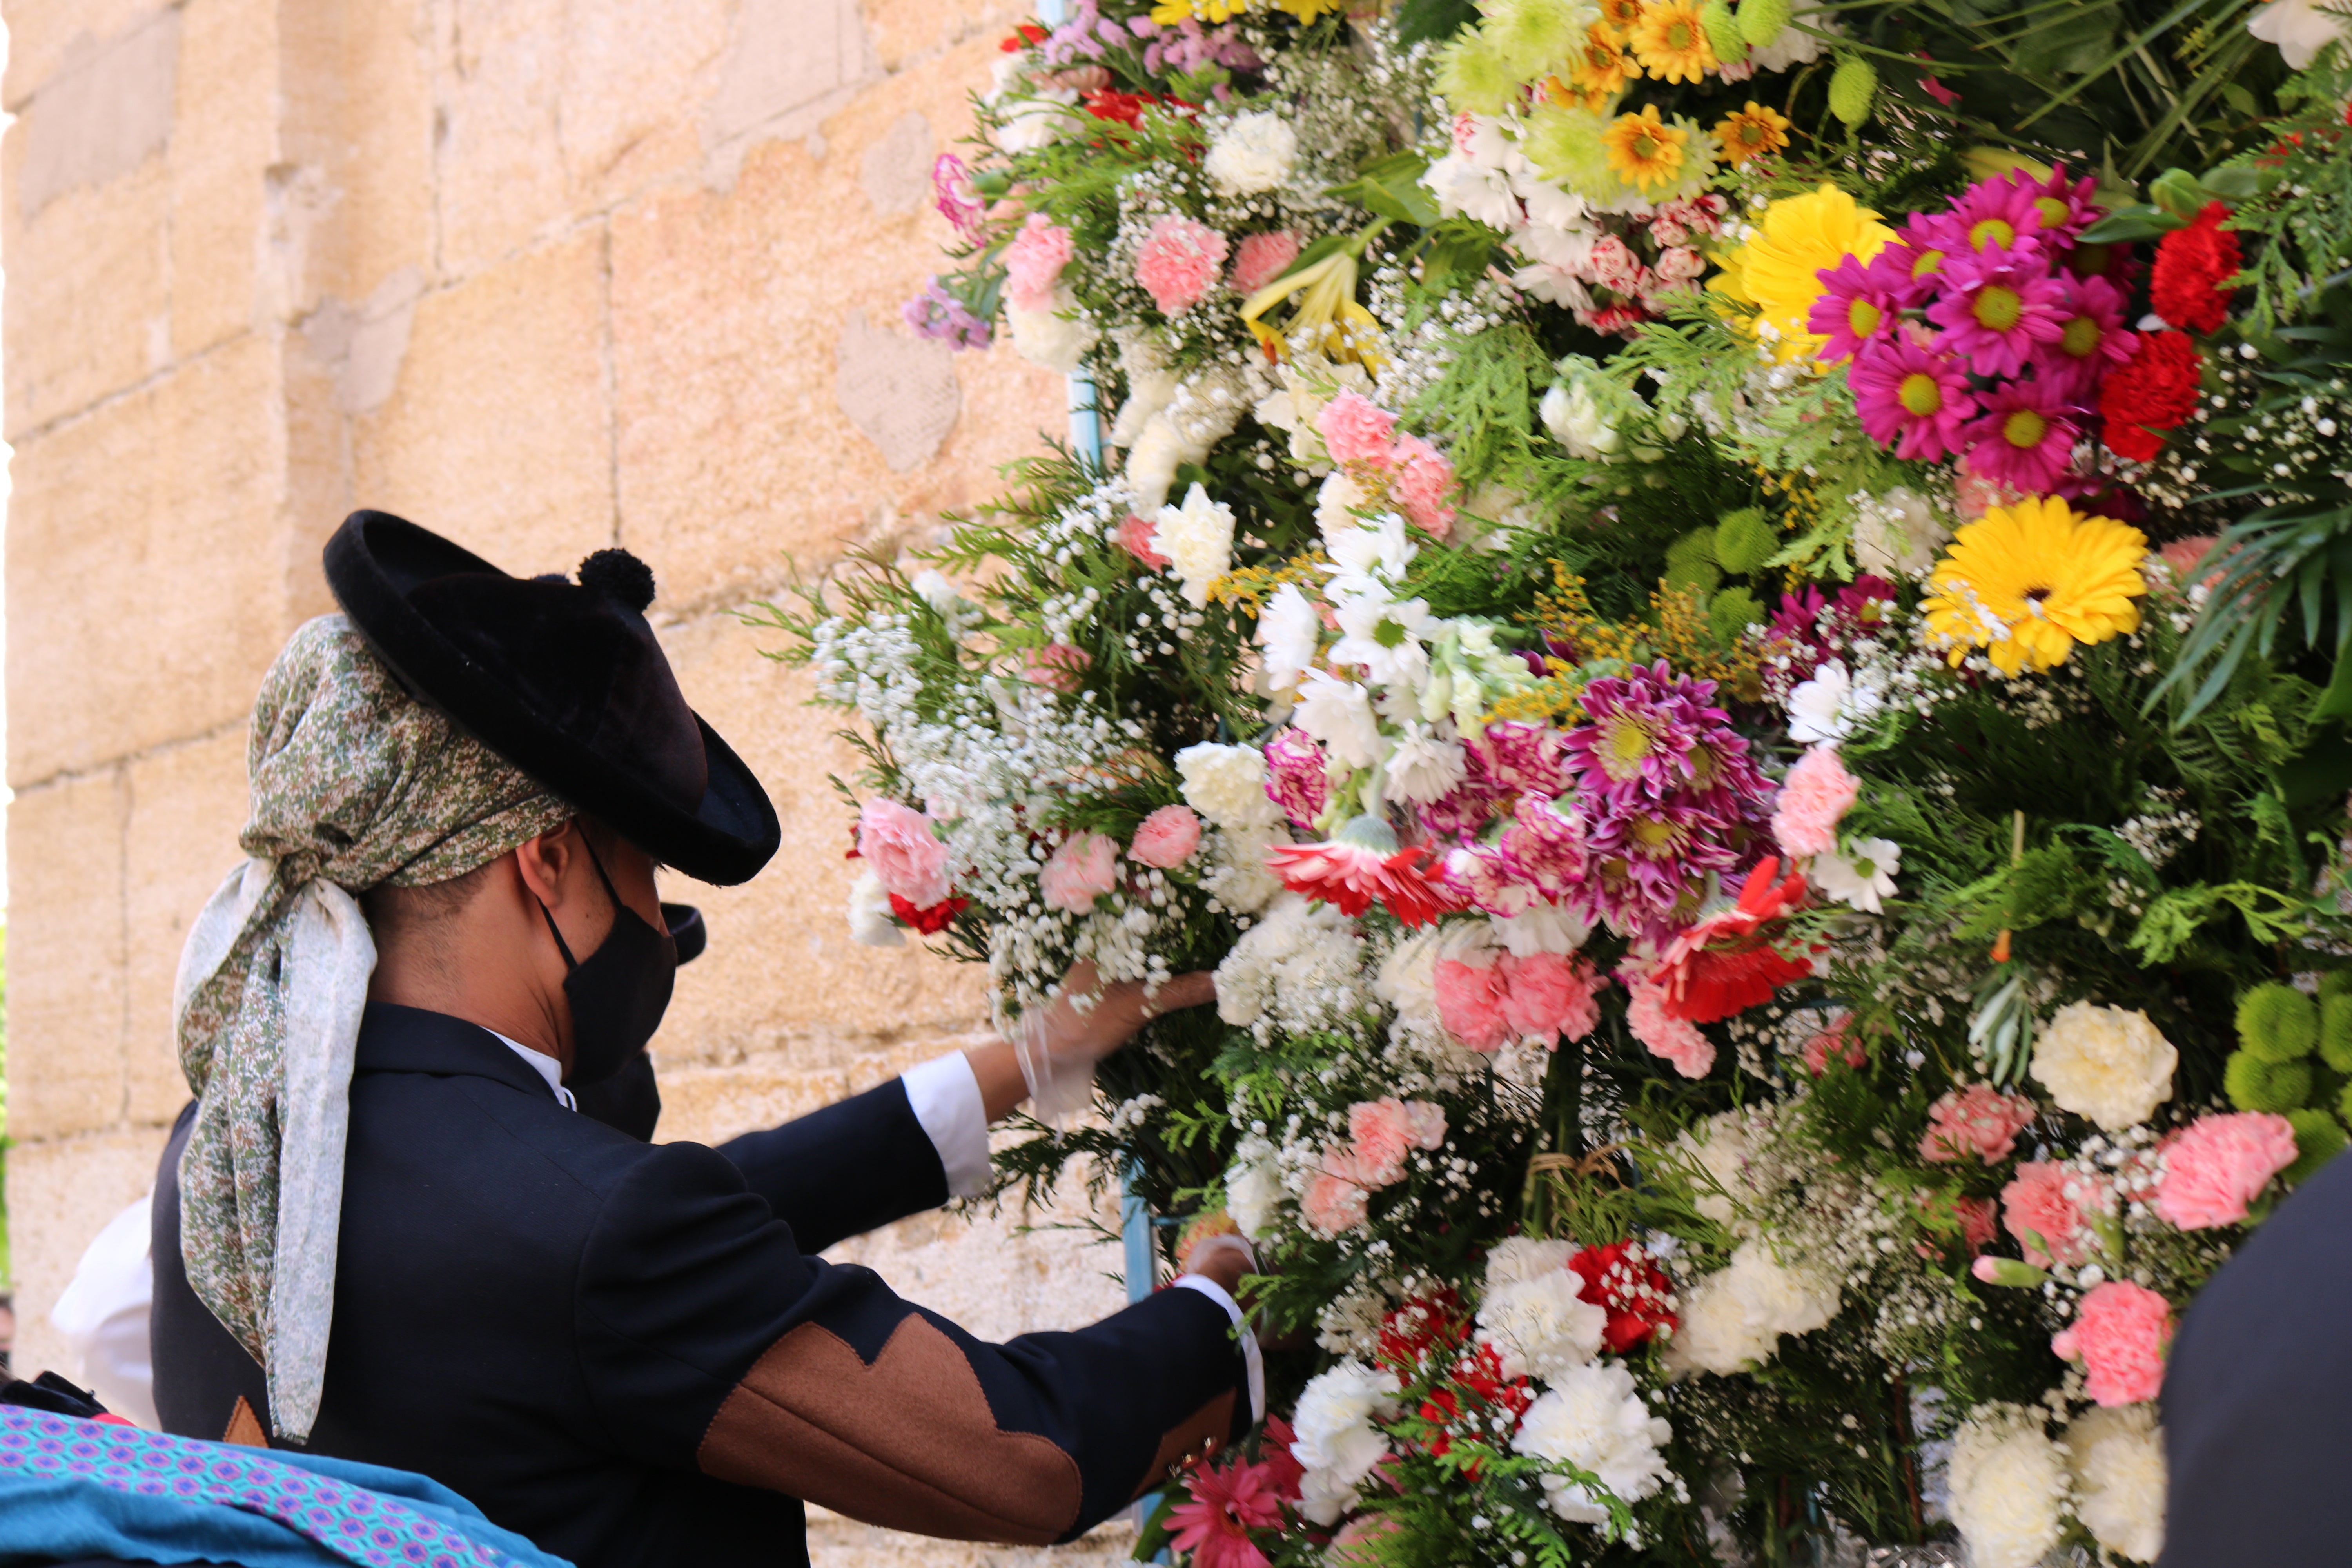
pixel 1542 927
pixel 1517 1258
pixel 1733 1320
pixel 2300 28
pixel 1389 637
pixel 2109 1064
pixel 1238 876
pixel 1047 339
pixel 1335 1437
pixel 1367 555
pixel 1423 768
pixel 1288 630
pixel 1198 540
pixel 1339 714
pixel 1253 1186
pixel 1299 969
pixel 1796 46
pixel 2009 1484
pixel 1038 122
pixel 2117 1457
pixel 1577 422
pixel 1540 1327
pixel 1227 786
pixel 869 913
pixel 1865 878
pixel 1408 977
pixel 1593 1418
pixel 1898 535
pixel 1463 187
pixel 1252 153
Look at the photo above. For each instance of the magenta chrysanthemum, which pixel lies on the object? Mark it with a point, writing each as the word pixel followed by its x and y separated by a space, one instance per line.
pixel 1996 307
pixel 1859 304
pixel 2024 438
pixel 1917 261
pixel 2091 338
pixel 1911 398
pixel 1998 214
pixel 2065 207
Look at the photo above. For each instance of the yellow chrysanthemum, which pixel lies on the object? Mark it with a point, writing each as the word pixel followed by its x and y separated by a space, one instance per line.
pixel 1671 42
pixel 2026 582
pixel 1307 10
pixel 1172 12
pixel 1642 150
pixel 1621 16
pixel 1778 271
pixel 1751 132
pixel 1598 68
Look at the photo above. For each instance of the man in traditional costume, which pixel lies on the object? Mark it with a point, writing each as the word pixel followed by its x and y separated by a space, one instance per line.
pixel 382 1232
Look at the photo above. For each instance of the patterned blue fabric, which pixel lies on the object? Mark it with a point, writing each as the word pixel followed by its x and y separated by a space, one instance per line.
pixel 73 1489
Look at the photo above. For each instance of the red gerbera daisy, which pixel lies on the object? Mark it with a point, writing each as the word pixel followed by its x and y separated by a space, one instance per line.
pixel 1728 963
pixel 1351 874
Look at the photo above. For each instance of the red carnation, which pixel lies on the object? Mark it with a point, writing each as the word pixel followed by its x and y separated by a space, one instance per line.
pixel 2193 270
pixel 1621 1279
pixel 931 921
pixel 1027 34
pixel 2150 393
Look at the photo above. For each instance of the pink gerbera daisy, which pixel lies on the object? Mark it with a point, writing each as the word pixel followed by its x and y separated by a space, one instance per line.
pixel 1911 398
pixel 1998 214
pixel 2091 338
pixel 2024 438
pixel 2065 207
pixel 1918 256
pixel 1213 1523
pixel 1996 307
pixel 1859 304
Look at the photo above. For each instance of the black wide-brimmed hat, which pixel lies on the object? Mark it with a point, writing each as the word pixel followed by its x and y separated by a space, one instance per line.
pixel 564 679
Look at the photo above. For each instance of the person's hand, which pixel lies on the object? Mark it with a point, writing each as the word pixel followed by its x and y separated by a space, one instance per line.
pixel 1090 1020
pixel 1221 1259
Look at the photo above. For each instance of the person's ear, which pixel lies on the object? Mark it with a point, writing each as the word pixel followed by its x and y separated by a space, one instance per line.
pixel 546 861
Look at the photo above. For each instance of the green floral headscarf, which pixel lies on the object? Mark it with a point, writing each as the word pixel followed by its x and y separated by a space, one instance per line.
pixel 353 784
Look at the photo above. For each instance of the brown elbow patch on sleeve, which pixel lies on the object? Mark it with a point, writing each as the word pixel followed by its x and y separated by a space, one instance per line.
pixel 1200 1434
pixel 908 1442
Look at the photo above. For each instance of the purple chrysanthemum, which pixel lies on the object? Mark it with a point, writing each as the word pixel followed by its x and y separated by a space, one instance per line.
pixel 1995 307
pixel 1859 304
pixel 2091 338
pixel 2025 436
pixel 1910 397
pixel 1640 729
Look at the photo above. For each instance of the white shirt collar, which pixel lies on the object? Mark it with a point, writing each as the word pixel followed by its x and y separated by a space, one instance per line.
pixel 545 1065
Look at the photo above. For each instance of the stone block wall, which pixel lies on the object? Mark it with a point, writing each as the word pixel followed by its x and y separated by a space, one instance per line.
pixel 545 274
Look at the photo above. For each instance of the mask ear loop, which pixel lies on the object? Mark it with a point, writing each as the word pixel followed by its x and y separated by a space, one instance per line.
pixel 561 946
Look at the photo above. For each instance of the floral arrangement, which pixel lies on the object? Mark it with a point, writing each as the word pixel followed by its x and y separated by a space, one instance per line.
pixel 1692 628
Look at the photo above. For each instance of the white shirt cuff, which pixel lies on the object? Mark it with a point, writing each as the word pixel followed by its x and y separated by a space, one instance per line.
pixel 945 1094
pixel 1252 1358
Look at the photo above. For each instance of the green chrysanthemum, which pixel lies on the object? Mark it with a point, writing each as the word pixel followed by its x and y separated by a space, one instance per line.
pixel 1473 74
pixel 2254 1084
pixel 2277 1023
pixel 1532 38
pixel 2318 1138
pixel 1567 145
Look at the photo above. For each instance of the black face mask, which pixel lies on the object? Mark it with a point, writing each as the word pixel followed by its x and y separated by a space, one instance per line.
pixel 618 993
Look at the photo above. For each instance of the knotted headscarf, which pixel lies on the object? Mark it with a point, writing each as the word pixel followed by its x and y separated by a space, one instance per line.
pixel 353 784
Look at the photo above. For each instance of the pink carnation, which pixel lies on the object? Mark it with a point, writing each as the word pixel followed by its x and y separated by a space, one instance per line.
pixel 1295 776
pixel 1079 872
pixel 1336 1195
pixel 1979 1220
pixel 1813 798
pixel 1056 666
pixel 897 842
pixel 1263 257
pixel 1355 429
pixel 1470 1004
pixel 1676 1039
pixel 1135 536
pixel 1423 481
pixel 2052 1203
pixel 2119 1335
pixel 1977 1120
pixel 1179 262
pixel 1548 997
pixel 1167 837
pixel 1033 263
pixel 2218 1164
pixel 1383 1131
pixel 1833 1044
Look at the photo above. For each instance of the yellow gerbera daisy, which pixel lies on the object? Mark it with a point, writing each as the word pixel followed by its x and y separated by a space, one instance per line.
pixel 2026 582
pixel 1752 132
pixel 1778 271
pixel 1173 13
pixel 1598 68
pixel 1671 42
pixel 1307 10
pixel 1643 151
pixel 1618 18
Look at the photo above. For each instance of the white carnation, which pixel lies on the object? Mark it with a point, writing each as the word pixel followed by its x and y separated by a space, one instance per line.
pixel 1540 1327
pixel 1152 461
pixel 1252 153
pixel 2300 28
pixel 1047 338
pixel 1865 878
pixel 1227 786
pixel 1253 1186
pixel 1335 1437
pixel 1542 928
pixel 2105 1063
pixel 1516 1258
pixel 1734 1319
pixel 1594 1419
pixel 1037 121
pixel 1720 1148
pixel 870 925
pixel 1898 535
pixel 1238 876
pixel 1817 706
pixel 2117 1457
pixel 1198 540
pixel 2009 1482
pixel 1576 421
pixel 1408 977
pixel 1339 714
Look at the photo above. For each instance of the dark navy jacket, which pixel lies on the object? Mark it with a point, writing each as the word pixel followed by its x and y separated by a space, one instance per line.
pixel 625 1352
